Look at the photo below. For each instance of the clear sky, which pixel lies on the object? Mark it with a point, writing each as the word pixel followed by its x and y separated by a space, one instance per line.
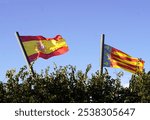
pixel 125 23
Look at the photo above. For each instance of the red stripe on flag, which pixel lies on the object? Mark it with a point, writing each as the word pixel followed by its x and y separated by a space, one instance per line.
pixel 31 38
pixel 124 58
pixel 46 56
pixel 122 61
pixel 113 50
pixel 126 67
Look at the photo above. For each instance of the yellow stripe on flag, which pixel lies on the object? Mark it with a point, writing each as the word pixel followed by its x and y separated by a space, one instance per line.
pixel 33 46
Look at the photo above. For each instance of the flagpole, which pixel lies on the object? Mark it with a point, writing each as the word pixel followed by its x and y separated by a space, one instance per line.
pixel 25 54
pixel 102 53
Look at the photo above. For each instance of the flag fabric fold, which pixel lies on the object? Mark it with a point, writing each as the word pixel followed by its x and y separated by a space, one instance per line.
pixel 118 59
pixel 39 46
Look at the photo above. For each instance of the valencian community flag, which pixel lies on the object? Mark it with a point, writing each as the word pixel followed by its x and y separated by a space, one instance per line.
pixel 118 59
pixel 39 46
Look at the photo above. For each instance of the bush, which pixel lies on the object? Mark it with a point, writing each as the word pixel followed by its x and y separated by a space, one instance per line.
pixel 69 85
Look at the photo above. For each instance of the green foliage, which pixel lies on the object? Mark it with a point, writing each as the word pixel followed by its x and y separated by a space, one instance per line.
pixel 66 84
pixel 140 88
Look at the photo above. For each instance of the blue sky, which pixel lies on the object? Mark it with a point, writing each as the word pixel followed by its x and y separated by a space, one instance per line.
pixel 125 23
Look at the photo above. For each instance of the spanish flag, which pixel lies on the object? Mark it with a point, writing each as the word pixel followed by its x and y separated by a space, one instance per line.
pixel 118 59
pixel 39 46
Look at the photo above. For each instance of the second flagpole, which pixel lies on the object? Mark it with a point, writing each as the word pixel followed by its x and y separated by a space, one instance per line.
pixel 101 52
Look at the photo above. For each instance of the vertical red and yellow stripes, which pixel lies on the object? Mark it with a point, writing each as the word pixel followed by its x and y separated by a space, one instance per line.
pixel 39 46
pixel 119 59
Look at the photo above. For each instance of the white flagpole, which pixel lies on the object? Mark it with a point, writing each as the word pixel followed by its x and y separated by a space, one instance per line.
pixel 25 54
